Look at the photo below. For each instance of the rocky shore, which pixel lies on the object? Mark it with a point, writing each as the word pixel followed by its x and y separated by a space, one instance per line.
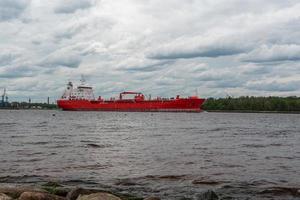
pixel 56 191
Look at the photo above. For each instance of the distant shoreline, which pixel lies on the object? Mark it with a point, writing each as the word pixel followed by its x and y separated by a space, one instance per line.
pixel 253 111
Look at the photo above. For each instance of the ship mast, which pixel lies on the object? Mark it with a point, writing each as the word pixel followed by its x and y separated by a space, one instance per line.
pixel 82 80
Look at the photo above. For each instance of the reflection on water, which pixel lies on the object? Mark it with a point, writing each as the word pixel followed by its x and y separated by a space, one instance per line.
pixel 164 154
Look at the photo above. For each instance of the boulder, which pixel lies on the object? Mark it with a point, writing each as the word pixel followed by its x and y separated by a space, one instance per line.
pixel 15 192
pixel 98 196
pixel 39 196
pixel 208 195
pixel 4 197
pixel 74 193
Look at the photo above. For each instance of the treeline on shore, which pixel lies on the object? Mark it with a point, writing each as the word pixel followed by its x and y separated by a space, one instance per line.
pixel 246 103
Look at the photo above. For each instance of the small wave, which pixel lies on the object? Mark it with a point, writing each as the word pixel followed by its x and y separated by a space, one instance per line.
pixel 29 160
pixel 38 143
pixel 279 133
pixel 89 167
pixel 26 153
pixel 282 191
pixel 58 146
pixel 7 124
pixel 78 182
pixel 89 141
pixel 126 182
pixel 166 177
pixel 218 129
pixel 230 165
pixel 23 179
pixel 279 157
pixel 276 145
pixel 17 136
pixel 205 182
pixel 254 145
pixel 92 145
pixel 41 125
pixel 79 126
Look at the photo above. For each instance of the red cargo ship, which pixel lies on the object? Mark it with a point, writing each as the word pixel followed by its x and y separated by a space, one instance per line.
pixel 82 99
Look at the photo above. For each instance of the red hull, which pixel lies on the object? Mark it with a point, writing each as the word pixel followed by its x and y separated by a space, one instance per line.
pixel 170 105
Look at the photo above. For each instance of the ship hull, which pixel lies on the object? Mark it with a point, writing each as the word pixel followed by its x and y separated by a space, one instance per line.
pixel 172 105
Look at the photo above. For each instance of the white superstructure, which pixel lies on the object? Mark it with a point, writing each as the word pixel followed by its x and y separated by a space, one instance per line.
pixel 83 91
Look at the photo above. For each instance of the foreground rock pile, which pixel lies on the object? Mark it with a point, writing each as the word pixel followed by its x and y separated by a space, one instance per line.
pixel 54 191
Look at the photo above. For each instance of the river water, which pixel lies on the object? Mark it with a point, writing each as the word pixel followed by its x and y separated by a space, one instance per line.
pixel 170 155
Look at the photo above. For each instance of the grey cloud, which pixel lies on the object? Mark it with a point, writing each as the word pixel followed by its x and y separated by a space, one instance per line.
pixel 11 9
pixel 222 80
pixel 193 47
pixel 229 83
pixel 18 71
pixel 71 6
pixel 147 68
pixel 274 53
pixel 256 69
pixel 274 86
pixel 214 75
pixel 69 32
pixel 8 56
pixel 70 56
pixel 209 52
pixel 72 61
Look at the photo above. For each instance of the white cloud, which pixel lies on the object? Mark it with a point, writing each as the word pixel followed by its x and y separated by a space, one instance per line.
pixel 274 53
pixel 199 46
pixel 275 86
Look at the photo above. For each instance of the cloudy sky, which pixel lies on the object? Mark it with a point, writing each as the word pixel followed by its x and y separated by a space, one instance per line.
pixel 224 47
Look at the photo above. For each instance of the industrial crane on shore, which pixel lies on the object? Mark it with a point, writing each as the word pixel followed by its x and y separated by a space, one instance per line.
pixel 4 98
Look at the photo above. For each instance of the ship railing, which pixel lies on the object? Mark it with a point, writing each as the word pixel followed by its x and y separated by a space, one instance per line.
pixel 138 95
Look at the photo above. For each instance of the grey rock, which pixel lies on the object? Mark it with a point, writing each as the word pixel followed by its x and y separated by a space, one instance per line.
pixel 15 192
pixel 4 197
pixel 74 193
pixel 98 196
pixel 39 196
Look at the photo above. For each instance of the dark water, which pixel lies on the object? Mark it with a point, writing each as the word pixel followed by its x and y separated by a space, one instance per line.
pixel 171 155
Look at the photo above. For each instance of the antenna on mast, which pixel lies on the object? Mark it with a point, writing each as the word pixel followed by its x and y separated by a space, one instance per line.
pixel 82 80
pixel 3 96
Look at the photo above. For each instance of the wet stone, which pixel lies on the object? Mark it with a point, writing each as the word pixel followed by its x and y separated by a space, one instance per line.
pixel 98 196
pixel 4 197
pixel 39 196
pixel 74 193
pixel 16 192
